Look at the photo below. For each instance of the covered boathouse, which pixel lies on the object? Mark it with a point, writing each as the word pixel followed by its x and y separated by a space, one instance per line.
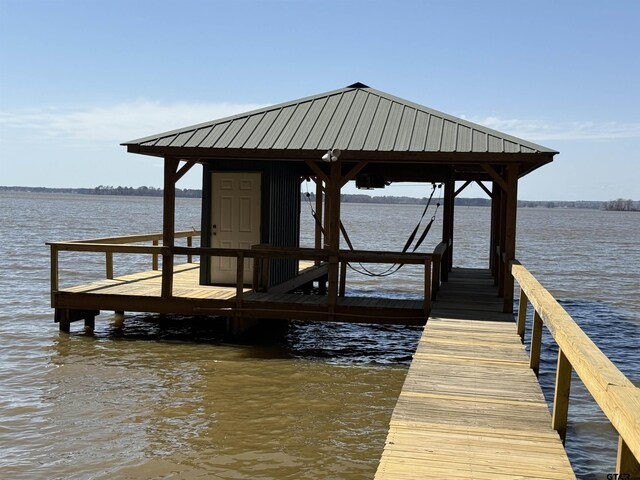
pixel 253 163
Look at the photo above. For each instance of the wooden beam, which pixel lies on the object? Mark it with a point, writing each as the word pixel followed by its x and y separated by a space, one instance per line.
pixel 447 226
pixel 333 194
pixel 318 223
pixel 522 314
pixel 352 173
pixel 317 171
pixel 493 241
pixel 466 184
pixel 511 206
pixel 536 344
pixel 185 168
pixel 168 225
pixel 486 190
pixel 495 176
pixel 561 396
pixel 627 464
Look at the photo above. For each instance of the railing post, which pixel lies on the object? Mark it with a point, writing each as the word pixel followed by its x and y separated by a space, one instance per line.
pixel 332 292
pixel 54 271
pixel 154 261
pixel 343 279
pixel 536 343
pixel 167 272
pixel 626 463
pixel 239 281
pixel 427 286
pixel 522 313
pixel 264 281
pixel 435 277
pixel 190 244
pixel 561 396
pixel 109 264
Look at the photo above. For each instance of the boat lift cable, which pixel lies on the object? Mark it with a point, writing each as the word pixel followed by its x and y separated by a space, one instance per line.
pixel 395 267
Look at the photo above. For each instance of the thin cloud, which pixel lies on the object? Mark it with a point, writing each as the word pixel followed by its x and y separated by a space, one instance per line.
pixel 115 123
pixel 538 130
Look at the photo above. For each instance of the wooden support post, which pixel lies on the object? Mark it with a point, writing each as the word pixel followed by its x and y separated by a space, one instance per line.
pixel 493 242
pixel 322 285
pixel 626 463
pixel 561 396
pixel 427 287
pixel 90 323
pixel 239 283
pixel 333 195
pixel 154 257
pixel 536 343
pixel 264 280
pixel 332 291
pixel 318 230
pixel 510 234
pixel 190 244
pixel 447 226
pixel 168 225
pixel 343 278
pixel 109 265
pixel 501 240
pixel 522 314
pixel 435 277
pixel 63 318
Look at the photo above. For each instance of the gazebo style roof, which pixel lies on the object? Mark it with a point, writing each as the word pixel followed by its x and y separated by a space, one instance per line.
pixel 364 123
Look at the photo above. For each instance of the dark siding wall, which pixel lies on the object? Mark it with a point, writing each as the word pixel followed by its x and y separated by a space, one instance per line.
pixel 284 225
pixel 280 203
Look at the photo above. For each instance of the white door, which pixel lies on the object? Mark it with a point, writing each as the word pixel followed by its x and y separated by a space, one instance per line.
pixel 235 221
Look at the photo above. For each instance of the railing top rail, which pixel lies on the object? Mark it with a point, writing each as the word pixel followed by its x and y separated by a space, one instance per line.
pixel 262 251
pixel 309 254
pixel 616 395
pixel 146 237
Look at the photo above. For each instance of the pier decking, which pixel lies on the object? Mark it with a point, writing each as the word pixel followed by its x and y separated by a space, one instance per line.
pixel 471 407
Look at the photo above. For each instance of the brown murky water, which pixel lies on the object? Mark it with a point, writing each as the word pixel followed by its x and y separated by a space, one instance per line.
pixel 175 400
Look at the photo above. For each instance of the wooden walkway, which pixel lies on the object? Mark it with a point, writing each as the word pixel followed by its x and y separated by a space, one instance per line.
pixel 470 407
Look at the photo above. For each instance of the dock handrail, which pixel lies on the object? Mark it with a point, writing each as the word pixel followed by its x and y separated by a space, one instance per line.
pixel 125 244
pixel 614 393
pixel 111 245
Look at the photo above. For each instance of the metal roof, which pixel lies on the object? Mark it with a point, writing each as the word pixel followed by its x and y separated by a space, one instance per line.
pixel 355 118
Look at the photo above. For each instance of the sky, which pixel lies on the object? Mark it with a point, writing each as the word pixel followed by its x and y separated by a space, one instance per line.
pixel 79 77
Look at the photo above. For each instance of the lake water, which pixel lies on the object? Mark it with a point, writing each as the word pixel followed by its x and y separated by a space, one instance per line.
pixel 177 400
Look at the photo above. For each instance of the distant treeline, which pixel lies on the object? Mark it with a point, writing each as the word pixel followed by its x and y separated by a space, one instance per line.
pixel 109 190
pixel 617 205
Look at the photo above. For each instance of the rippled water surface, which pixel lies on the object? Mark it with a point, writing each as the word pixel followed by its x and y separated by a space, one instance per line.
pixel 152 398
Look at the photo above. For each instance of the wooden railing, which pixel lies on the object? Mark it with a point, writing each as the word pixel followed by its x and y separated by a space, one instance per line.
pixel 614 393
pixel 111 245
pixel 261 254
